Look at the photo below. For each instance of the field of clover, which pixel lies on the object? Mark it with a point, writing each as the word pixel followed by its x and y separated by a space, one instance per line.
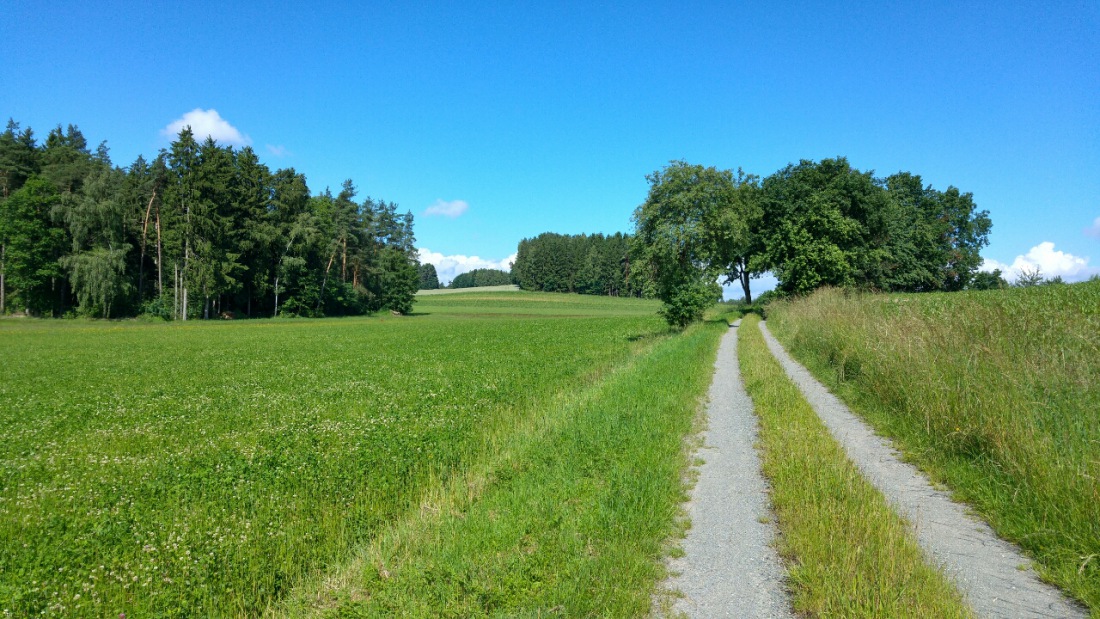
pixel 207 468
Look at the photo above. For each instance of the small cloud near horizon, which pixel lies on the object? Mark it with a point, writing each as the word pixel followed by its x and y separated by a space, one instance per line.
pixel 1050 262
pixel 278 150
pixel 449 267
pixel 207 123
pixel 451 209
pixel 1094 229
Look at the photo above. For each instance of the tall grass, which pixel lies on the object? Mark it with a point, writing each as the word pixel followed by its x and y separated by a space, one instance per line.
pixel 996 394
pixel 848 553
pixel 566 516
pixel 207 469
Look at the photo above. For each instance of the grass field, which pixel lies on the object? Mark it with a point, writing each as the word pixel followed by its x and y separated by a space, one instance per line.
pixel 482 289
pixel 995 393
pixel 213 469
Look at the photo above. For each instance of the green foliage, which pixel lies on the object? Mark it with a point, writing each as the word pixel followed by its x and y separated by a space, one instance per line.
pixel 587 264
pixel 481 277
pixel 32 245
pixel 679 232
pixel 1029 277
pixel 429 279
pixel 993 392
pixel 202 231
pixel 828 224
pixel 183 478
pixel 98 275
pixel 984 280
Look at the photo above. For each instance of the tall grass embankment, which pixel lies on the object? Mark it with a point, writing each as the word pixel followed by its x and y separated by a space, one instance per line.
pixel 995 394
pixel 847 553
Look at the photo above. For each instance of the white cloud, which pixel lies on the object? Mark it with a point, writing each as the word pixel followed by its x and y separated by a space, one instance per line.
pixel 448 267
pixel 1050 262
pixel 205 123
pixel 278 150
pixel 451 209
pixel 1094 229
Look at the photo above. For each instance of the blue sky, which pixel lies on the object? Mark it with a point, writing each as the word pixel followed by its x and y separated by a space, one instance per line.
pixel 547 116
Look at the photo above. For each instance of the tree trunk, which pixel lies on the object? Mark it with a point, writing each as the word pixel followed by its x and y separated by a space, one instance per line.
pixel 744 277
pixel 276 296
pixel 144 238
pixel 160 274
pixel 324 281
pixel 183 275
pixel 3 265
pixel 344 262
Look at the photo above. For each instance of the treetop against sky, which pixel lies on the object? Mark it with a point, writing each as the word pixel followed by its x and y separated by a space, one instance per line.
pixel 493 124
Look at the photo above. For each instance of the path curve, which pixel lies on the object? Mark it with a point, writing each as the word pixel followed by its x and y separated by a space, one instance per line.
pixel 985 567
pixel 729 567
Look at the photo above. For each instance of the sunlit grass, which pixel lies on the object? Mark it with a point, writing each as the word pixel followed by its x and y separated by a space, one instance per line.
pixel 207 469
pixel 566 516
pixel 994 393
pixel 848 554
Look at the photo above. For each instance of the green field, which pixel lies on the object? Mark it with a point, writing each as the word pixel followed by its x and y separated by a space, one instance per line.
pixel 995 393
pixel 220 469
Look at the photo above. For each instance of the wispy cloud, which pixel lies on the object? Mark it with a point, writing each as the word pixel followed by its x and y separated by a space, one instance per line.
pixel 278 151
pixel 205 123
pixel 1049 261
pixel 1094 229
pixel 451 209
pixel 449 267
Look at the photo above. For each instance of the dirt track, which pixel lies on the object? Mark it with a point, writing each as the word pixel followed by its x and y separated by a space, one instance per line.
pixel 985 567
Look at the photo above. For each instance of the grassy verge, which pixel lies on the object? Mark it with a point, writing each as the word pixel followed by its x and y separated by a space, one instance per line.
pixel 566 517
pixel 993 393
pixel 848 553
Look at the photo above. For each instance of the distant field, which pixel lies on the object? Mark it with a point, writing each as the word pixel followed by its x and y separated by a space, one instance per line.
pixel 479 301
pixel 509 288
pixel 995 393
pixel 209 468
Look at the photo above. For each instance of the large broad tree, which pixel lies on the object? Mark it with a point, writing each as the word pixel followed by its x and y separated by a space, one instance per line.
pixel 943 231
pixel 679 229
pixel 739 238
pixel 822 226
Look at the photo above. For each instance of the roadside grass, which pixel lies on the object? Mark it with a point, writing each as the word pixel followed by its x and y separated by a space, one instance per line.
pixel 568 515
pixel 207 469
pixel 847 553
pixel 995 394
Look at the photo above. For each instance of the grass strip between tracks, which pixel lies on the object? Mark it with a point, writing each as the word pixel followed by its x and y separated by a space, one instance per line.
pixel 848 554
pixel 569 515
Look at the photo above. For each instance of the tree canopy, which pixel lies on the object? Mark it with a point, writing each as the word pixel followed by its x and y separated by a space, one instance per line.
pixel 481 277
pixel 812 224
pixel 203 230
pixel 587 264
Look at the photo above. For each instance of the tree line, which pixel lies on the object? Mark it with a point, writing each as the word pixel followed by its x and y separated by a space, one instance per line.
pixel 202 230
pixel 586 264
pixel 811 224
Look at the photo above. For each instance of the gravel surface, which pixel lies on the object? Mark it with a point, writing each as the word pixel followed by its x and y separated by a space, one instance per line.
pixel 985 567
pixel 729 568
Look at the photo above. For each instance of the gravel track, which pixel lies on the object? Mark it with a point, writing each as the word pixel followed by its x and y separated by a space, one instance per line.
pixel 985 567
pixel 729 567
